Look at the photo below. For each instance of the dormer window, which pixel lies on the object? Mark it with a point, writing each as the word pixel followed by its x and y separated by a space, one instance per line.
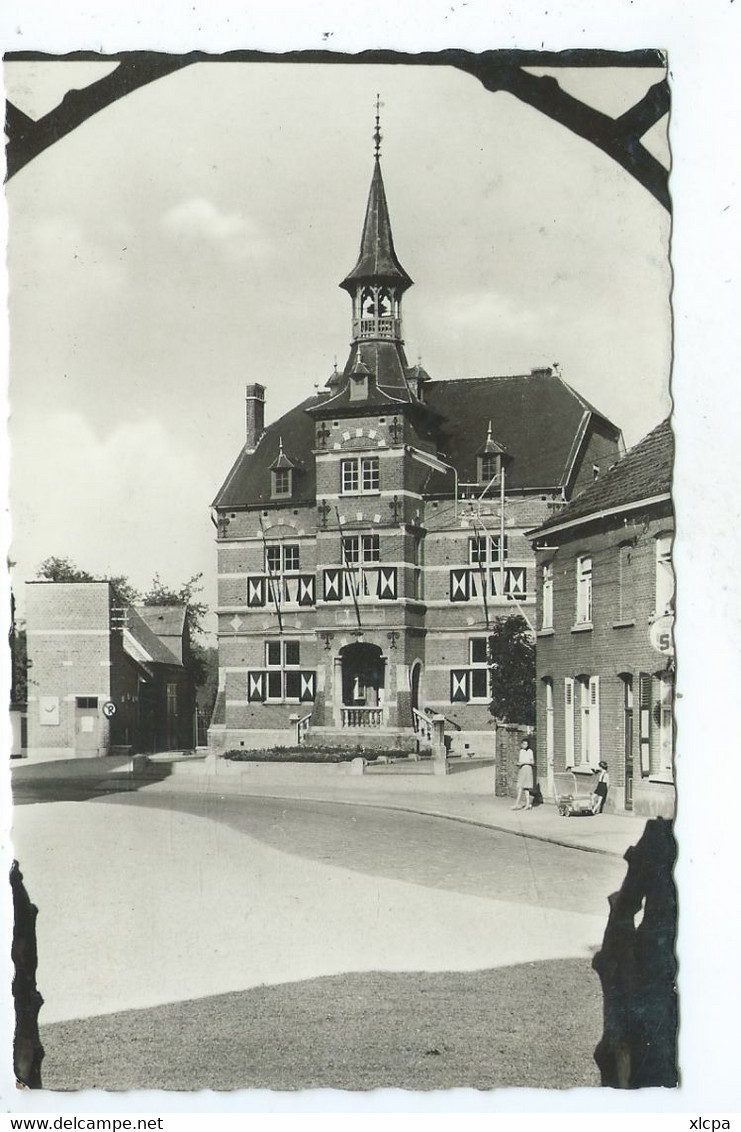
pixel 281 475
pixel 359 386
pixel 491 460
pixel 489 467
pixel 282 483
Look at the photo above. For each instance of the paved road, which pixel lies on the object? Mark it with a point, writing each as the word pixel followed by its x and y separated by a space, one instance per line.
pixel 421 849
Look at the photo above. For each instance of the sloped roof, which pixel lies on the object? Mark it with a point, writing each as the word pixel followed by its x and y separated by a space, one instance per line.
pixel 377 258
pixel 644 472
pixel 535 418
pixel 164 620
pixel 138 633
pixel 249 481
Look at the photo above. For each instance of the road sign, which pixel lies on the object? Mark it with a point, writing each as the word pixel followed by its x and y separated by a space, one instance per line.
pixel 661 635
pixel 109 709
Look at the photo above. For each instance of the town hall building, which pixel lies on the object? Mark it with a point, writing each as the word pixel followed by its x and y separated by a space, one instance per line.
pixel 368 539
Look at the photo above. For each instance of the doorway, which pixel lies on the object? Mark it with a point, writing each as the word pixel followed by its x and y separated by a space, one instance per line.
pixel 627 680
pixel 87 726
pixel 415 678
pixel 363 684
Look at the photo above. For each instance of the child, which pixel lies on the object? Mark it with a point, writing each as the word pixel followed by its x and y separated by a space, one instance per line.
pixel 602 785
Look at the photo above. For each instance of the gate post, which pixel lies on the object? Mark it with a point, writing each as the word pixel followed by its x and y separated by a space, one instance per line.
pixel 439 754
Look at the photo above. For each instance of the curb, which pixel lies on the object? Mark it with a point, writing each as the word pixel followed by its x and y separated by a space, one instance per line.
pixel 406 809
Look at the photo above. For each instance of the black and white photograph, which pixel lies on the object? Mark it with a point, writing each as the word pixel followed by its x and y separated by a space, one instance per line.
pixel 342 652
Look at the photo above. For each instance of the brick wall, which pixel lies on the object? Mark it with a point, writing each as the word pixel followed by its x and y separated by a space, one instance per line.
pixel 615 647
pixel 69 657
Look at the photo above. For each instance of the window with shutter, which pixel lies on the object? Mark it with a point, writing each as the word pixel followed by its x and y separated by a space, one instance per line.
pixel 664 576
pixel 644 722
pixel 459 685
pixel 584 590
pixel 594 737
pixel 569 720
pixel 546 618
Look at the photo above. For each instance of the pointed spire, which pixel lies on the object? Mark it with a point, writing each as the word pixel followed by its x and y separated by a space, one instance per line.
pixel 377 135
pixel 335 378
pixel 377 261
pixel 281 461
pixel 491 447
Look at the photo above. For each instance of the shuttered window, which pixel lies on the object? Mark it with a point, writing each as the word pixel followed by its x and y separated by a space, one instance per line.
pixel 568 690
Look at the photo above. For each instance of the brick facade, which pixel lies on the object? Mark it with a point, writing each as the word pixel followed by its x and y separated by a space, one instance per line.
pixel 86 651
pixel 605 668
pixel 359 544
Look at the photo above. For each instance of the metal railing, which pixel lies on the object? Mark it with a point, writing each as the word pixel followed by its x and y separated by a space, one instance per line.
pixel 362 717
pixel 422 726
pixel 302 728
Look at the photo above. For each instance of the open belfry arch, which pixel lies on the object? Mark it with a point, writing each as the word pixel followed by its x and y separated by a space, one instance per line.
pixel 368 538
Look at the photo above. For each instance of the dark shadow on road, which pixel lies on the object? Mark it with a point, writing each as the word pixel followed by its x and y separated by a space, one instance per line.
pixel 79 780
pixel 509 1027
pixel 418 848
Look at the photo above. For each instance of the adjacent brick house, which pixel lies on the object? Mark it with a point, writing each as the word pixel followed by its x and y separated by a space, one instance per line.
pixel 605 657
pixel 367 539
pixel 85 651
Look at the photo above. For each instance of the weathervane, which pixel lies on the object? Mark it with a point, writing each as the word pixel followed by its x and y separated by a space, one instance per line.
pixel 377 131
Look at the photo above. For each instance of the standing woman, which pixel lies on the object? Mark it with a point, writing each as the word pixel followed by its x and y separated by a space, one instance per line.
pixel 525 777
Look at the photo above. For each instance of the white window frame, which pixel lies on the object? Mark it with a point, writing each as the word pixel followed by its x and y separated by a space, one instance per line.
pixel 489 544
pixel 490 472
pixel 288 565
pixel 583 751
pixel 282 666
pixel 594 723
pixel 360 555
pixel 479 666
pixel 546 614
pixel 662 749
pixel 568 698
pixel 664 584
pixel 584 583
pixel 282 475
pixel 626 582
pixel 360 475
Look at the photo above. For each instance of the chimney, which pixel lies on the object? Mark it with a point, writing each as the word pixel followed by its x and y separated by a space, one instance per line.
pixel 254 397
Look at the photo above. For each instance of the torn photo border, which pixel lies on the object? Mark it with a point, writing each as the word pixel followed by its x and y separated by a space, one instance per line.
pixel 656 190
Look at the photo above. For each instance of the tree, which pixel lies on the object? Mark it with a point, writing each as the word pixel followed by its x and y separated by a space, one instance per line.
pixel 208 685
pixel 64 570
pixel 512 666
pixel 195 611
pixel 200 664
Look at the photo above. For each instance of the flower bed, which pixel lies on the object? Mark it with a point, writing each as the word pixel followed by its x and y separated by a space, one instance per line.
pixel 308 754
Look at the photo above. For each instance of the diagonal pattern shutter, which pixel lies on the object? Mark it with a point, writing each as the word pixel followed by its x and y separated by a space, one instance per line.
pixel 256 687
pixel 332 580
pixel 459 586
pixel 306 588
pixel 387 583
pixel 255 592
pixel 307 692
pixel 459 685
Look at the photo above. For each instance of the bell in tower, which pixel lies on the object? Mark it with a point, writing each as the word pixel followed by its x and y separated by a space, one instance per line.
pixel 378 281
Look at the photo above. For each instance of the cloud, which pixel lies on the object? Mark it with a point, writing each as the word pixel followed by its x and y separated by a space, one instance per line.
pixel 198 219
pixel 133 502
pixel 481 310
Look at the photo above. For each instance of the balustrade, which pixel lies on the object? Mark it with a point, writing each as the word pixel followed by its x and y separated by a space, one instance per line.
pixel 362 717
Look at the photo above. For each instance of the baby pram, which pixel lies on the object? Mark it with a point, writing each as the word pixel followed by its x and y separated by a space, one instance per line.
pixel 574 793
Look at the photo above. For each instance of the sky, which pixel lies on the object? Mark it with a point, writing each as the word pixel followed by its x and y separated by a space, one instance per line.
pixel 189 240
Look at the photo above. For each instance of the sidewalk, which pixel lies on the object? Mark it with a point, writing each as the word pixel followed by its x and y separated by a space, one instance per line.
pixel 467 796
